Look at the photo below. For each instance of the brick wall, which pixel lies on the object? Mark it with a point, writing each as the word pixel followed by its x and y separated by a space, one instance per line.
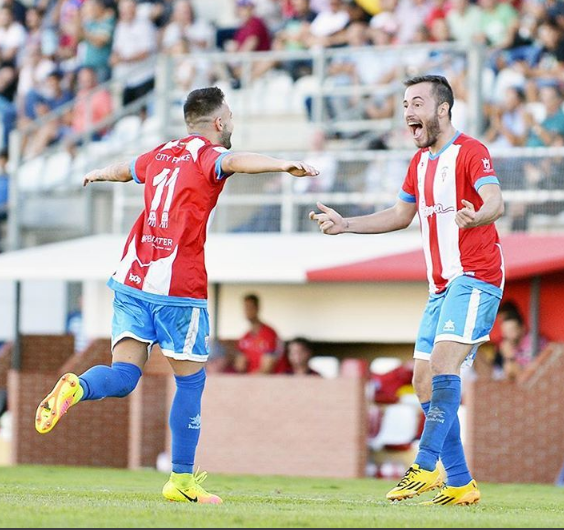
pixel 516 429
pixel 110 433
pixel 93 434
pixel 283 425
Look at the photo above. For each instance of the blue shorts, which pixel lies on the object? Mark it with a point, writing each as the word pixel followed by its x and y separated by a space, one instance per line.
pixel 464 313
pixel 182 332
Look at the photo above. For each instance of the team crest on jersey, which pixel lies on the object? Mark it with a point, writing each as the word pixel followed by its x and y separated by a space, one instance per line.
pixel 444 173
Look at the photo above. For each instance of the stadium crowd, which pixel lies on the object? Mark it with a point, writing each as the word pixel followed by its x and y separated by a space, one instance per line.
pixel 46 44
pixel 55 53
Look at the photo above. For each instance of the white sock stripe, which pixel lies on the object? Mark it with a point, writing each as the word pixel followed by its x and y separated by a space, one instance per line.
pixel 472 314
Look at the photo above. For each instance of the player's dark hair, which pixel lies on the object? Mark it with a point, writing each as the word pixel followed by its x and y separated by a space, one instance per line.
pixel 509 309
pixel 303 341
pixel 252 298
pixel 202 103
pixel 442 91
pixel 515 317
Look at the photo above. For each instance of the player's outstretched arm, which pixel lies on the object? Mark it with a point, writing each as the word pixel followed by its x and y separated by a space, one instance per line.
pixel 397 217
pixel 120 172
pixel 254 163
pixel 491 210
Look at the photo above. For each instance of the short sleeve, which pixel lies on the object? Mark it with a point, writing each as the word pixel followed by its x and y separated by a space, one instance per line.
pixel 140 164
pixel 272 342
pixel 210 158
pixel 479 166
pixel 407 192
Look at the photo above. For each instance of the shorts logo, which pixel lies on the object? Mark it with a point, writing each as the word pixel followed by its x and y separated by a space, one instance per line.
pixel 436 414
pixel 134 278
pixel 195 422
pixel 449 326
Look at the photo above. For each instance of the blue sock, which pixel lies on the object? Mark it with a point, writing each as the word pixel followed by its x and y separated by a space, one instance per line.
pixel 452 454
pixel 102 381
pixel 185 420
pixel 445 401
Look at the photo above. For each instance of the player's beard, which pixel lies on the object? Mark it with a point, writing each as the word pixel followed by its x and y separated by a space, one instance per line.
pixel 225 139
pixel 433 131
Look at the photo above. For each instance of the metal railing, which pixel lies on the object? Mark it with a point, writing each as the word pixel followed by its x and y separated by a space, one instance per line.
pixel 273 108
pixel 361 182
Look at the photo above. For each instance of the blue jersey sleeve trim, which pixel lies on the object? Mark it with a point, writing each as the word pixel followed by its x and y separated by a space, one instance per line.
pixel 486 180
pixel 406 197
pixel 133 173
pixel 218 171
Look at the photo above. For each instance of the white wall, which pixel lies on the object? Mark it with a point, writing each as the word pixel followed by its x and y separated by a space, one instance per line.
pixel 386 313
pixel 44 308
pixel 353 312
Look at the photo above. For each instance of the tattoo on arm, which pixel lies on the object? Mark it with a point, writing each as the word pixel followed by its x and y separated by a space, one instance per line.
pixel 120 172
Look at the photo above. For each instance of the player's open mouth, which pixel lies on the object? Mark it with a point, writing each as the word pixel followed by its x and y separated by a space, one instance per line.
pixel 416 129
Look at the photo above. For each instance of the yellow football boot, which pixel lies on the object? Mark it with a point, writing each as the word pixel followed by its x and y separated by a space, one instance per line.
pixel 67 392
pixel 186 487
pixel 414 482
pixel 462 495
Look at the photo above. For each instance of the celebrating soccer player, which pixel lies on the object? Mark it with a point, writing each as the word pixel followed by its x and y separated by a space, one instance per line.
pixel 161 282
pixel 451 184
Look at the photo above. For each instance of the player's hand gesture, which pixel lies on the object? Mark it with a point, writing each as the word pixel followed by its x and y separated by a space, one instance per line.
pixel 300 169
pixel 92 176
pixel 467 217
pixel 330 222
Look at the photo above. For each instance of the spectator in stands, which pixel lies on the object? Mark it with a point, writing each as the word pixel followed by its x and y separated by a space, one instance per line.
pixel 294 32
pixel 66 17
pixel 464 21
pixel 18 10
pixel 260 348
pixel 8 113
pixel 293 36
pixel 551 130
pixel 410 14
pixel 496 22
pixel 39 104
pixel 133 52
pixel 12 35
pixel 328 27
pixel 252 35
pixel 47 97
pixel 91 106
pixel 184 25
pixel 4 185
pixel 327 164
pixel 96 31
pixel 515 350
pixel 507 121
pixel 357 67
pixel 34 35
pixel 158 12
pixel 300 351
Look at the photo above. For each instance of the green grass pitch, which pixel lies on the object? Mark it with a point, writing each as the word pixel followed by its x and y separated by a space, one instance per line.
pixel 107 498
